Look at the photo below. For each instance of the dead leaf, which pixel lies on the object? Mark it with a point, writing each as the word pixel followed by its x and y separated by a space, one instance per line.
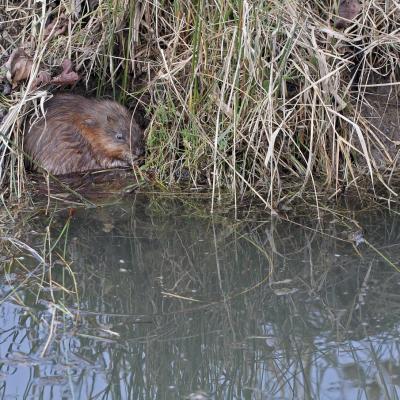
pixel 43 78
pixel 56 27
pixel 67 66
pixel 19 66
pixel 348 10
pixel 67 76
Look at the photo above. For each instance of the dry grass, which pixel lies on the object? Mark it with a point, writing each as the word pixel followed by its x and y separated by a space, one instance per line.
pixel 262 97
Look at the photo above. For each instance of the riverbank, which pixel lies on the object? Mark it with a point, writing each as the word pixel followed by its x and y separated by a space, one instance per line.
pixel 269 101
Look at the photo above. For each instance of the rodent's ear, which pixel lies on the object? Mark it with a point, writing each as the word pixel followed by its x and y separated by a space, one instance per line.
pixel 111 118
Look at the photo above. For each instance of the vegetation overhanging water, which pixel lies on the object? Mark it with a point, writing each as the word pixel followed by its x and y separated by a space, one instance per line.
pixel 268 98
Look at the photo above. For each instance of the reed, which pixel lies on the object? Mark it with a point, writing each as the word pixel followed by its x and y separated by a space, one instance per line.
pixel 267 98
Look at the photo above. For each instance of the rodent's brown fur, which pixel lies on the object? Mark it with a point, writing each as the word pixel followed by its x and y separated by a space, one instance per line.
pixel 80 134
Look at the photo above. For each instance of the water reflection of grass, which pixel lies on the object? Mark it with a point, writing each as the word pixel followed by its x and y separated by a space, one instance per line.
pixel 278 309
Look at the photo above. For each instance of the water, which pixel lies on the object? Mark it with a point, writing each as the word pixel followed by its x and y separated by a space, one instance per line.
pixel 152 299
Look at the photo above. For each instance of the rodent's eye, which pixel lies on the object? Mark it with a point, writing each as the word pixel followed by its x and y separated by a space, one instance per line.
pixel 119 136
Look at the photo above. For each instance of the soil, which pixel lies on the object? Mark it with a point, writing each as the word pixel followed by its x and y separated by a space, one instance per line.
pixel 381 111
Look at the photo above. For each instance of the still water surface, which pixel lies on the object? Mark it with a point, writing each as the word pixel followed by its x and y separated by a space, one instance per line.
pixel 149 299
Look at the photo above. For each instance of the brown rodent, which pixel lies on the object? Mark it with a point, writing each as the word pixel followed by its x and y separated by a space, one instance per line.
pixel 80 134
